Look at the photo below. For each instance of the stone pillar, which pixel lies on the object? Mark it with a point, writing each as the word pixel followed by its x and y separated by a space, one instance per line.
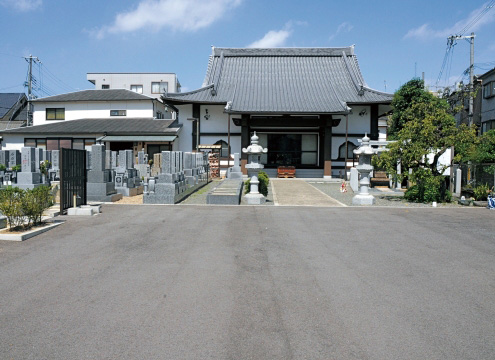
pixel 28 178
pixel 399 172
pixel 38 157
pixel 458 182
pixel 354 181
pixel 56 160
pixel 14 158
pixel 4 157
pixel 108 159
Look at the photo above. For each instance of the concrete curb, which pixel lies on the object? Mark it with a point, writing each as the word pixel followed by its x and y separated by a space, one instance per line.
pixel 28 234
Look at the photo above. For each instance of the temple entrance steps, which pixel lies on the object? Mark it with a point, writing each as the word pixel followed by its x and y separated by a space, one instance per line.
pixel 293 192
pixel 300 173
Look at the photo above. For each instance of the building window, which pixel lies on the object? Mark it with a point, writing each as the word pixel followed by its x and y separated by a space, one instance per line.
pixel 488 125
pixel 37 143
pixel 105 86
pixel 489 89
pixel 118 112
pixel 58 143
pixel 350 150
pixel 29 142
pixel 55 114
pixel 159 87
pixel 159 115
pixel 83 144
pixel 137 88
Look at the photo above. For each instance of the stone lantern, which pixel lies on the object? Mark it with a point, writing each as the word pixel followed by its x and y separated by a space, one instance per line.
pixel 254 166
pixel 365 151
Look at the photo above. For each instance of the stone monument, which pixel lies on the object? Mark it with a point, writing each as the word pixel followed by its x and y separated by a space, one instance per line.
pixel 365 151
pixel 100 186
pixel 28 178
pixel 254 152
pixel 127 180
pixel 235 172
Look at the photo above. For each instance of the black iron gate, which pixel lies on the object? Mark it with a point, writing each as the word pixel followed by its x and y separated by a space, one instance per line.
pixel 72 178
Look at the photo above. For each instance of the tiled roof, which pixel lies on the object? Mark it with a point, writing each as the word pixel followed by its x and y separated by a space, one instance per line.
pixel 132 126
pixel 4 125
pixel 97 95
pixel 283 80
pixel 8 101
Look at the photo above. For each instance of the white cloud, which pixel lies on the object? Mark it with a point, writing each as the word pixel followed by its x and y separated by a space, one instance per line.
pixel 276 38
pixel 22 5
pixel 425 31
pixel 342 28
pixel 272 38
pixel 176 15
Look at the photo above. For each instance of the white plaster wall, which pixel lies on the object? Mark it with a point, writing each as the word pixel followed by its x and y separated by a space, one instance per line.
pixel 95 109
pixel 13 142
pixel 185 143
pixel 218 121
pixel 357 123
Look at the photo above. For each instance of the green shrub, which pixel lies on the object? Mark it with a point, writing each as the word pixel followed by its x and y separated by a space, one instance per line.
pixel 25 207
pixel 262 186
pixel 3 167
pixel 264 181
pixel 44 166
pixel 35 202
pixel 11 206
pixel 429 189
pixel 481 192
pixel 16 168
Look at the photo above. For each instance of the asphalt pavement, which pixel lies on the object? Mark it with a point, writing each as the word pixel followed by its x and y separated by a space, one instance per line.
pixel 253 282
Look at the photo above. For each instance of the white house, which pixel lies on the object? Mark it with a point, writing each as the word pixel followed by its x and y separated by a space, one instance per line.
pixel 122 119
pixel 151 84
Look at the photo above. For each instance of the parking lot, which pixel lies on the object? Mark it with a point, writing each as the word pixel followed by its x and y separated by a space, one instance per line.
pixel 273 282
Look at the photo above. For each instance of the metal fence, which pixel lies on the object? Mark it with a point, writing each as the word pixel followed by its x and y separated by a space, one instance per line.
pixel 475 175
pixel 72 178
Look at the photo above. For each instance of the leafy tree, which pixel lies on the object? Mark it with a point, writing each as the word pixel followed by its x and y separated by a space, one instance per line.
pixel 484 151
pixel 427 130
pixel 410 93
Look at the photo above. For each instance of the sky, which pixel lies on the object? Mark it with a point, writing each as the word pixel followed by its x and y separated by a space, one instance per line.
pixel 394 40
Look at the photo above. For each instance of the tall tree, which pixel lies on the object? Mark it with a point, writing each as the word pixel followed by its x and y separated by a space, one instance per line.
pixel 426 130
pixel 410 93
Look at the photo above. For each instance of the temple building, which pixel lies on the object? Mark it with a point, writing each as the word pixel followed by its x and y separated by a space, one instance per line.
pixel 309 106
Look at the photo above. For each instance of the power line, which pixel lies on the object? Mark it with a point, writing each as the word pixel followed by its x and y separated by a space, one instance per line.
pixel 477 17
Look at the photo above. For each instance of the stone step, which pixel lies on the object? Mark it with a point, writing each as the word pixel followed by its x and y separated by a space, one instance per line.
pixel 228 192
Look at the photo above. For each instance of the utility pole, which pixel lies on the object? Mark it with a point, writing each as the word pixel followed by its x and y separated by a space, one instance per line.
pixel 451 42
pixel 29 84
pixel 471 81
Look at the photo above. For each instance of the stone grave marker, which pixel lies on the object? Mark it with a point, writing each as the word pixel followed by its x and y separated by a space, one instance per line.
pixel 28 159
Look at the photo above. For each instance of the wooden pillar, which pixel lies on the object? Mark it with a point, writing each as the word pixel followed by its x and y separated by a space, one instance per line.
pixel 196 124
pixel 245 140
pixel 374 122
pixel 327 145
